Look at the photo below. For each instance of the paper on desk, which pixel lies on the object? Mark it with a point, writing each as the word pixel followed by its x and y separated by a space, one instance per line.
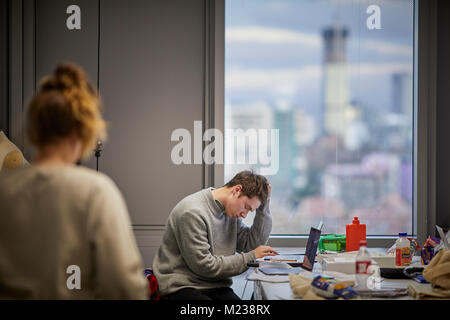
pixel 344 259
pixel 273 264
pixel 258 275
pixel 339 276
pixel 443 237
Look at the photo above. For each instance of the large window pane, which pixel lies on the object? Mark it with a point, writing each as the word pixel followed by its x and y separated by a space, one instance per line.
pixel 335 78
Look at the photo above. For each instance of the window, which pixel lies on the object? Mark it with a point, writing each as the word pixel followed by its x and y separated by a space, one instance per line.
pixel 319 98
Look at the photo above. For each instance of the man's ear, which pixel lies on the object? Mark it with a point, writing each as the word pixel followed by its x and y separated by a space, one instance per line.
pixel 237 189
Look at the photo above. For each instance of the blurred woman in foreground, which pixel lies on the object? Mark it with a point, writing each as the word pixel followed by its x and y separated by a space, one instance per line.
pixel 64 229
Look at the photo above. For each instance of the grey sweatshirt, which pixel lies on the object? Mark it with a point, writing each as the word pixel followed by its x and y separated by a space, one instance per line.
pixel 203 248
pixel 56 216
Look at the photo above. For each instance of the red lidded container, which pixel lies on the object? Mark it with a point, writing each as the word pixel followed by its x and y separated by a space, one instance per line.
pixel 355 232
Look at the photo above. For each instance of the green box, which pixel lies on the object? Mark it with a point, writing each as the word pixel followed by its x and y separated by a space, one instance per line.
pixel 332 242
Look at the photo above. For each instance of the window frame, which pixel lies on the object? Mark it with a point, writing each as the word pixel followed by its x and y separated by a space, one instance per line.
pixel 423 214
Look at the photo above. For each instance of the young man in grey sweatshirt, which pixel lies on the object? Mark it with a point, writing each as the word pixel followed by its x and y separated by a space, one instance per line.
pixel 206 243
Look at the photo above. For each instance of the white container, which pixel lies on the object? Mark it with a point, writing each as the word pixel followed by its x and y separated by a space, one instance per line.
pixel 345 261
pixel 385 261
pixel 339 265
pixel 362 264
pixel 402 251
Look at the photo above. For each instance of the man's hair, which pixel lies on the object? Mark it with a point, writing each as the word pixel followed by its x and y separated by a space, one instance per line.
pixel 252 185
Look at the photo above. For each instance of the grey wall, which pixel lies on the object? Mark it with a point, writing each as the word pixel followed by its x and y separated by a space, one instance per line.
pixel 151 81
pixel 443 115
pixel 55 43
pixel 148 59
pixel 4 49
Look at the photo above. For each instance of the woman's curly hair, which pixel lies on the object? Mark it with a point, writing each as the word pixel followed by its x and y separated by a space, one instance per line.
pixel 66 102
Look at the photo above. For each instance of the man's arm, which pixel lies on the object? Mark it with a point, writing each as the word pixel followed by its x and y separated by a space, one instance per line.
pixel 192 239
pixel 248 238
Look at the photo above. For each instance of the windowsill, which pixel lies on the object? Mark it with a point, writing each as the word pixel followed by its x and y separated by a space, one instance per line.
pixel 305 236
pixel 300 241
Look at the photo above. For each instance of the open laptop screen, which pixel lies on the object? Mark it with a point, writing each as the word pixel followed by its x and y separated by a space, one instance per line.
pixel 311 248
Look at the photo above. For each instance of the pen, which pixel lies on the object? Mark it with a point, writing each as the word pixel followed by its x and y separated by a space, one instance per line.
pixel 290 260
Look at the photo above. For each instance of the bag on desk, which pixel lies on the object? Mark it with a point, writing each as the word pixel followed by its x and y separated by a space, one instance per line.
pixel 438 271
pixel 427 251
pixel 153 290
pixel 301 287
pixel 309 288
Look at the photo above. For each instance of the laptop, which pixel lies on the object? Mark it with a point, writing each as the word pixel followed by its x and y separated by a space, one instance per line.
pixel 294 255
pixel 309 255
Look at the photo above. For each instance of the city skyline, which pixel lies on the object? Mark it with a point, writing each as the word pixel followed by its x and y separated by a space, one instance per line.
pixel 357 159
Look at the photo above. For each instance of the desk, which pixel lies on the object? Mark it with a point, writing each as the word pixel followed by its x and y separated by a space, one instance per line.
pixel 282 291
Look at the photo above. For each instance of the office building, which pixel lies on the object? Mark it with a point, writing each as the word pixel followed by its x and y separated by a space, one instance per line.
pixel 335 80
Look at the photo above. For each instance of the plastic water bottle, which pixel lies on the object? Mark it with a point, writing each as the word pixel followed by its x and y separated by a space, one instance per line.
pixel 402 250
pixel 362 264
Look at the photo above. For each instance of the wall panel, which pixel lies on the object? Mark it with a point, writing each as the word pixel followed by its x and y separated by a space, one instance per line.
pixel 152 82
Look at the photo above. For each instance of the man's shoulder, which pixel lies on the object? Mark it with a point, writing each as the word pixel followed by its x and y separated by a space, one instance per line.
pixel 194 203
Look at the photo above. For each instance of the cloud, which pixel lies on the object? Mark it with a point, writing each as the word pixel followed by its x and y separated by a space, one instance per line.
pixel 387 48
pixel 376 69
pixel 240 78
pixel 280 36
pixel 264 35
pixel 289 79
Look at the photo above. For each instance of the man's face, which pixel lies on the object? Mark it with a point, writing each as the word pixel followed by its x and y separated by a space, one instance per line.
pixel 240 205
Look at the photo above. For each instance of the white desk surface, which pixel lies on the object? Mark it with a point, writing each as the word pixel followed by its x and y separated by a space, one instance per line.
pixel 282 291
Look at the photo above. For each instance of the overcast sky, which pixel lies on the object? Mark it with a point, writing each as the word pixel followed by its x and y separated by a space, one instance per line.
pixel 274 49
